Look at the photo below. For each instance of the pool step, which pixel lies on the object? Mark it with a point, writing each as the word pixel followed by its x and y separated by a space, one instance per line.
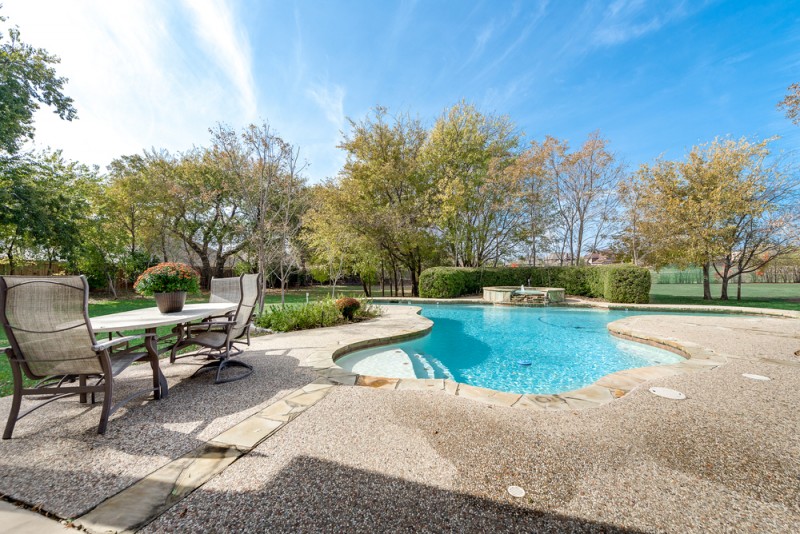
pixel 433 367
pixel 444 372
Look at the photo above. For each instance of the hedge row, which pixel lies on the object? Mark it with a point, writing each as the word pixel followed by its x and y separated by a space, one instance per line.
pixel 615 283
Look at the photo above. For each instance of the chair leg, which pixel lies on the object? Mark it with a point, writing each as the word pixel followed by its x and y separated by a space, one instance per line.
pixel 82 382
pixel 232 363
pixel 16 402
pixel 108 390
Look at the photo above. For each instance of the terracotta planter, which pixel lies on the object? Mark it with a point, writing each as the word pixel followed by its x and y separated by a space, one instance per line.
pixel 170 302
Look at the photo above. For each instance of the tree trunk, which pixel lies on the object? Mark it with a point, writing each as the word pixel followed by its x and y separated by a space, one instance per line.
pixel 205 271
pixel 383 282
pixel 739 288
pixel 219 268
pixel 111 287
pixel 367 288
pixel 707 281
pixel 414 283
pixel 725 278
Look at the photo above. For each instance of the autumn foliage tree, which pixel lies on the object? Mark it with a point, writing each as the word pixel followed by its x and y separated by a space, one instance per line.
pixel 791 103
pixel 704 210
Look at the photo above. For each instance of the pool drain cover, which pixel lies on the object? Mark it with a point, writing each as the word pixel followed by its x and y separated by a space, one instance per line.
pixel 516 491
pixel 668 393
pixel 524 362
pixel 755 377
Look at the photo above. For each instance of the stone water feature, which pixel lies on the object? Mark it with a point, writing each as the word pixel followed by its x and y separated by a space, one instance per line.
pixel 523 295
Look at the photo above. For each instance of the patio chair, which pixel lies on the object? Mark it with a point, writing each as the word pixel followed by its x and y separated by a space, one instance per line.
pixel 47 323
pixel 220 335
pixel 224 291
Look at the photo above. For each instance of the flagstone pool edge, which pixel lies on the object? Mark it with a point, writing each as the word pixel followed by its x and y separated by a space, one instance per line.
pixel 602 391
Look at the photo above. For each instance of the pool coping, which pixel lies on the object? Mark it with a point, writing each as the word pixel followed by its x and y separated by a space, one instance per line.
pixel 576 302
pixel 604 390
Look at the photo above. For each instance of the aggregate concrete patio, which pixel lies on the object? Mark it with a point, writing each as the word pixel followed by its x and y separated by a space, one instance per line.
pixel 302 453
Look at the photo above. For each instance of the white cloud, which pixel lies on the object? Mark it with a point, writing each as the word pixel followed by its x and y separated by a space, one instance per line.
pixel 140 75
pixel 227 43
pixel 330 99
pixel 625 20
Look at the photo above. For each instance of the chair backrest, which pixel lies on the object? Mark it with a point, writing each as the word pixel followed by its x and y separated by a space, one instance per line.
pixel 226 290
pixel 250 285
pixel 46 320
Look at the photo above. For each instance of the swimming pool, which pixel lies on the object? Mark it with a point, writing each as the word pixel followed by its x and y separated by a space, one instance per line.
pixel 513 349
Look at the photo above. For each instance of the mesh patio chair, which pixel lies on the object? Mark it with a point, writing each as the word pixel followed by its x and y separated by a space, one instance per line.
pixel 223 291
pixel 220 335
pixel 226 290
pixel 52 342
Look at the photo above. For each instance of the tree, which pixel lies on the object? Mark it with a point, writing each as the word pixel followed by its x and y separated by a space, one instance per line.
pixel 45 199
pixel 385 197
pixel 703 209
pixel 585 183
pixel 582 186
pixel 467 154
pixel 203 203
pixel 27 79
pixel 327 235
pixel 129 197
pixel 791 103
pixel 289 204
pixel 528 171
pixel 630 193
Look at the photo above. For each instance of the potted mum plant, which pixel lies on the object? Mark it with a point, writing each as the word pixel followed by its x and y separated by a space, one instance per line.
pixel 169 282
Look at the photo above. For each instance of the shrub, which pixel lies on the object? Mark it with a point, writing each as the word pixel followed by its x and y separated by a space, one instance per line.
pixel 167 277
pixel 615 283
pixel 312 315
pixel 628 284
pixel 347 306
pixel 443 282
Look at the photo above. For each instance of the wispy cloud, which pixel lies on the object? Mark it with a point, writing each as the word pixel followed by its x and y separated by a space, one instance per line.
pixel 330 99
pixel 227 43
pixel 625 20
pixel 481 40
pixel 299 60
pixel 533 19
pixel 140 76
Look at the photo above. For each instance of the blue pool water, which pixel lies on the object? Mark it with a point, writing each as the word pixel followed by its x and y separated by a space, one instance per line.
pixel 514 349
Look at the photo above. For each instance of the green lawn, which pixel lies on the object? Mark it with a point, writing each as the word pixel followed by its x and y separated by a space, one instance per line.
pixel 103 306
pixel 780 296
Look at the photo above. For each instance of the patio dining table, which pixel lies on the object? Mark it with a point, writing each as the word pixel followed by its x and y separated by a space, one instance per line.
pixel 150 319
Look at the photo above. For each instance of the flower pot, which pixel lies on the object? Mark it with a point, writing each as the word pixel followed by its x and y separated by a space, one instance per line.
pixel 170 302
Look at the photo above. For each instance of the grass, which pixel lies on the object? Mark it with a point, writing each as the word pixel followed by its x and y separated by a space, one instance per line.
pixel 99 305
pixel 779 296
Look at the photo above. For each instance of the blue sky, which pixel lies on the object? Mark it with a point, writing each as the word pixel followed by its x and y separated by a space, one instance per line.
pixel 654 77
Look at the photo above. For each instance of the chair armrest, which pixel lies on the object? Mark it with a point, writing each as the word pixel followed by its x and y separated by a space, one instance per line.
pixel 118 341
pixel 208 324
pixel 228 315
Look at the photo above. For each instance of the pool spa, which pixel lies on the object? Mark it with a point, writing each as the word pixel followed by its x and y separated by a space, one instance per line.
pixel 513 349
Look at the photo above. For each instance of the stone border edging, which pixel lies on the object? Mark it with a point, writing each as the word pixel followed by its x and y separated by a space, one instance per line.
pixel 576 302
pixel 602 391
pixel 143 501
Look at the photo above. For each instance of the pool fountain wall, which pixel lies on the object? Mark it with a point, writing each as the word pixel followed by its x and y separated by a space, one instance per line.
pixel 511 295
